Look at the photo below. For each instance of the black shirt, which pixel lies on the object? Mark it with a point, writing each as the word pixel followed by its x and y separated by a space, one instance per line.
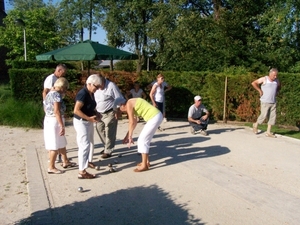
pixel 89 103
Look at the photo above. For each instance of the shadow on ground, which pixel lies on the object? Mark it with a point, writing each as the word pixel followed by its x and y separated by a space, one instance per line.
pixel 175 151
pixel 139 205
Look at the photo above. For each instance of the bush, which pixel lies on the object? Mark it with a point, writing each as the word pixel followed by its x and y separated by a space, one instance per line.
pixel 125 65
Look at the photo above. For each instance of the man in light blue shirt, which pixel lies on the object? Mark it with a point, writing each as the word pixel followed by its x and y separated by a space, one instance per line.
pixel 107 127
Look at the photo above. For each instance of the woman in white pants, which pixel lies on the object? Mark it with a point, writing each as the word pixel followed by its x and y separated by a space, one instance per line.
pixel 85 116
pixel 138 107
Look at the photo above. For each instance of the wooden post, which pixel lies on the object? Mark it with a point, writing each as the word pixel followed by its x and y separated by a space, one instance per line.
pixel 225 101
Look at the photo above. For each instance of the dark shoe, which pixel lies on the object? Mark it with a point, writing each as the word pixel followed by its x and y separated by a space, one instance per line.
pixel 105 156
pixel 69 164
pixel 160 129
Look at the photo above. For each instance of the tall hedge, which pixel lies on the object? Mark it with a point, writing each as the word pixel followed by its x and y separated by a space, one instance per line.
pixel 242 102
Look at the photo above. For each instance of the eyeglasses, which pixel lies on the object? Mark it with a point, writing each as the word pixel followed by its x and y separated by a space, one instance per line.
pixel 97 86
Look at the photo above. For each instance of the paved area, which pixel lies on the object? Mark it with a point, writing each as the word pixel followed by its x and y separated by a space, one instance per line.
pixel 229 177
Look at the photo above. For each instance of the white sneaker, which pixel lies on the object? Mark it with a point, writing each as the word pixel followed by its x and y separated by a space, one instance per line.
pixel 203 132
pixel 165 120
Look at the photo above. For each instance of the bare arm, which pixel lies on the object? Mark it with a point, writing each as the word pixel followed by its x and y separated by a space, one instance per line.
pixel 168 88
pixel 128 93
pixel 132 122
pixel 58 118
pixel 278 86
pixel 144 95
pixel 45 92
pixel 256 84
pixel 152 92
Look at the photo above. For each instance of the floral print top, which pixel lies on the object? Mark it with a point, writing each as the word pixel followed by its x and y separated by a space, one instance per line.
pixel 51 97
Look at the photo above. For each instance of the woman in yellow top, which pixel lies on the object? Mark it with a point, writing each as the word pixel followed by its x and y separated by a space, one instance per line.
pixel 138 107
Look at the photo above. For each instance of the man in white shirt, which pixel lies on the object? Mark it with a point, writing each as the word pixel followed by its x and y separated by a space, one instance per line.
pixel 60 71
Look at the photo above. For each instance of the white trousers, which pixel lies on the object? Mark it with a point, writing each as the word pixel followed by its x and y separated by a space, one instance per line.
pixel 85 142
pixel 148 132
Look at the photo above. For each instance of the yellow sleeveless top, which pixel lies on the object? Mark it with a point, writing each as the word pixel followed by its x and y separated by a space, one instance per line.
pixel 144 109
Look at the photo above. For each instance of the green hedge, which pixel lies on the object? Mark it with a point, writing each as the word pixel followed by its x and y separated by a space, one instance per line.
pixel 242 103
pixel 27 85
pixel 40 64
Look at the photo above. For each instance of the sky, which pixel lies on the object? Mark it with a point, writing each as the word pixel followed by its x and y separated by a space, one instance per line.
pixel 99 37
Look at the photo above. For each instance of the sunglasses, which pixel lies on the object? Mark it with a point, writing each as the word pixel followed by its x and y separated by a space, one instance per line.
pixel 97 86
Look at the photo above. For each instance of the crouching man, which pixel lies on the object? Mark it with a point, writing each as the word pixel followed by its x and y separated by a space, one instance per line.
pixel 198 117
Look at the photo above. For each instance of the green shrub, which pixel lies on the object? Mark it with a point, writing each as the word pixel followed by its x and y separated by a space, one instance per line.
pixel 125 65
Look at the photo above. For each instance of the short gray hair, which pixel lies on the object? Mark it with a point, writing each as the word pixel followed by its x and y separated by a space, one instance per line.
pixel 94 79
pixel 273 70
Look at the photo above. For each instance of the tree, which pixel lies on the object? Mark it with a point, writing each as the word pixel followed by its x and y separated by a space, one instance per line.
pixel 126 24
pixel 25 5
pixel 41 33
pixel 77 15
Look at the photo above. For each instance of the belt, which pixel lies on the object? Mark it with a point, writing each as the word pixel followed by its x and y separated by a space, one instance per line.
pixel 107 111
pixel 79 118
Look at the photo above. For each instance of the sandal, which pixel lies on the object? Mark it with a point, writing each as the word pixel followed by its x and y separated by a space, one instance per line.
pixel 69 164
pixel 92 165
pixel 138 170
pixel 148 165
pixel 86 175
pixel 55 171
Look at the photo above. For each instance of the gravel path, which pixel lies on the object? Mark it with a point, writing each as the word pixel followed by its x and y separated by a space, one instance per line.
pixel 229 177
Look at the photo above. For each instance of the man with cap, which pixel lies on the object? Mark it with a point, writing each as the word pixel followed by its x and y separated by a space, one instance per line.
pixel 198 117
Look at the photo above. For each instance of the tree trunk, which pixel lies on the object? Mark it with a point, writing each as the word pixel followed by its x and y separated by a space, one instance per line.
pixel 217 6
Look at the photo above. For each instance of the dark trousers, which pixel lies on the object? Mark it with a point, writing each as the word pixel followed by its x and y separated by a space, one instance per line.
pixel 202 126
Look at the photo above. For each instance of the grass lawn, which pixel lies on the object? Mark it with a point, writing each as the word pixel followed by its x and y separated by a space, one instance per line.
pixel 293 132
pixel 17 113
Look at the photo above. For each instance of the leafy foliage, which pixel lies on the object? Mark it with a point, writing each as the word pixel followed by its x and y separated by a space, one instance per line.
pixel 41 33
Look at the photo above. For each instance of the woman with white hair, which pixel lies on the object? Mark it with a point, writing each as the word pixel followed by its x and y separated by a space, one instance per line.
pixel 138 107
pixel 85 115
pixel 54 125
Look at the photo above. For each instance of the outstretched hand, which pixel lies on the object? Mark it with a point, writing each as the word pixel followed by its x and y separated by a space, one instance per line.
pixel 128 141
